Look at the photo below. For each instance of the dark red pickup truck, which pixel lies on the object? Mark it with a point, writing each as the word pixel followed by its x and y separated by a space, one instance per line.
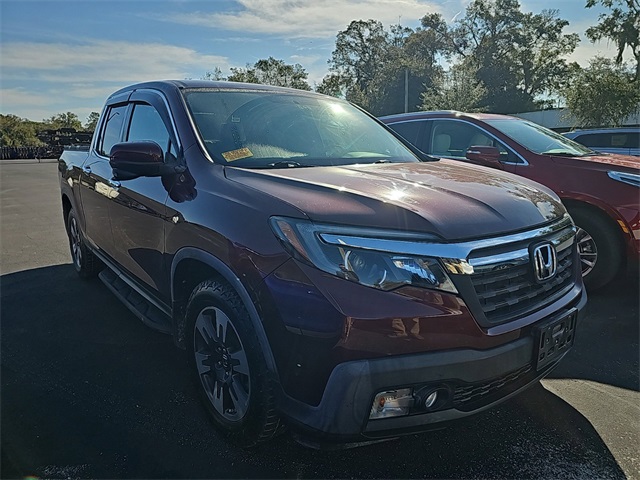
pixel 599 190
pixel 318 270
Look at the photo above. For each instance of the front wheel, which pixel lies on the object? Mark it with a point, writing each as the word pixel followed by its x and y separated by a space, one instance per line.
pixel 599 247
pixel 227 361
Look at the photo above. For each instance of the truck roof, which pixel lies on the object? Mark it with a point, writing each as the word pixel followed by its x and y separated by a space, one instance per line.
pixel 167 85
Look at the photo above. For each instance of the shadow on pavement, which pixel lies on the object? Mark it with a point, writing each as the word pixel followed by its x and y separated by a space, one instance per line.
pixel 606 349
pixel 88 391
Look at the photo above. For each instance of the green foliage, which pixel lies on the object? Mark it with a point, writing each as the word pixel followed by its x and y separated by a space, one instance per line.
pixel 457 89
pixel 372 67
pixel 215 75
pixel 519 56
pixel 332 84
pixel 64 120
pixel 17 132
pixel 622 25
pixel 271 71
pixel 602 95
pixel 92 121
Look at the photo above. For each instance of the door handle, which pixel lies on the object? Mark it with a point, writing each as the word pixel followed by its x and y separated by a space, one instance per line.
pixel 87 170
pixel 114 183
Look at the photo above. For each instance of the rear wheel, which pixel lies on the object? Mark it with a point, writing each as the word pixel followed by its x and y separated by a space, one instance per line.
pixel 84 261
pixel 227 361
pixel 599 247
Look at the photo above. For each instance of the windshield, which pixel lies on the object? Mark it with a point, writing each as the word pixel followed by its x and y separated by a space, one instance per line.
pixel 539 139
pixel 265 129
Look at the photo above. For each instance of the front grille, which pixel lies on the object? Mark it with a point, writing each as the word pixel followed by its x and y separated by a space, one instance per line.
pixel 466 395
pixel 509 290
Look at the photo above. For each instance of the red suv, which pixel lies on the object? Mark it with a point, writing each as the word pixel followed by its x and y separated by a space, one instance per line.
pixel 599 190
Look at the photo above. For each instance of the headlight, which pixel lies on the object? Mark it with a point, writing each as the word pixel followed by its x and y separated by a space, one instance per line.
pixel 630 178
pixel 378 269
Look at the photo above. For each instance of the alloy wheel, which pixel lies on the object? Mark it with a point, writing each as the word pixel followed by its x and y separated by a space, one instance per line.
pixel 588 251
pixel 76 242
pixel 222 364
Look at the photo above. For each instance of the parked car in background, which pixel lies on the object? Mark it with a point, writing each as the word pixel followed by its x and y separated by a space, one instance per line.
pixel 623 140
pixel 600 191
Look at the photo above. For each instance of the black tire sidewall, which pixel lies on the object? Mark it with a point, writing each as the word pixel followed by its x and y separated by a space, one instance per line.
pixel 86 268
pixel 251 428
pixel 608 244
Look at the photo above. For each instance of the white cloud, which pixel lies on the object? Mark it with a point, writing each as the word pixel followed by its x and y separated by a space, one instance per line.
pixel 10 98
pixel 307 18
pixel 101 60
pixel 42 79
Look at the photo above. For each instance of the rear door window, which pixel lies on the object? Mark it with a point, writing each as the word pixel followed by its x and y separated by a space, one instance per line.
pixel 594 140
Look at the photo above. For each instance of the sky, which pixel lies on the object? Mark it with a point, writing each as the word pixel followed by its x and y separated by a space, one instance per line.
pixel 61 56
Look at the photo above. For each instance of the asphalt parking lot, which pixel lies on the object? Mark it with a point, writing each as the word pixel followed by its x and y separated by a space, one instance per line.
pixel 87 391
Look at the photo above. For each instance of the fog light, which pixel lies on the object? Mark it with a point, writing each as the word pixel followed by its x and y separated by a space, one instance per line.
pixel 431 400
pixel 392 403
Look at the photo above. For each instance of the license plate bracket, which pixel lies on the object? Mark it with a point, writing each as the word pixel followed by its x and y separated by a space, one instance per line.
pixel 554 338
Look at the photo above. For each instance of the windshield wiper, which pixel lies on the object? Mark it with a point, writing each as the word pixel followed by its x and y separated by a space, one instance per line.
pixel 285 164
pixel 563 154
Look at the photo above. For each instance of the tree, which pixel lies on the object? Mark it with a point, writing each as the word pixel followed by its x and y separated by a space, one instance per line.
pixel 332 84
pixel 17 132
pixel 216 75
pixel 359 53
pixel 375 68
pixel 620 25
pixel 64 120
pixel 457 89
pixel 602 94
pixel 271 71
pixel 519 56
pixel 92 121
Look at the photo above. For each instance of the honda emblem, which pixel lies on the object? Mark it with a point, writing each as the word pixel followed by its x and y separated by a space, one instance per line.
pixel 545 262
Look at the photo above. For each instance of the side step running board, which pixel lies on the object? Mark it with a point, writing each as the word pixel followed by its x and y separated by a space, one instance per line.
pixel 150 315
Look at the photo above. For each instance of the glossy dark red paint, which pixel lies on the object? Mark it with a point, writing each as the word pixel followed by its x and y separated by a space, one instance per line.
pixel 167 233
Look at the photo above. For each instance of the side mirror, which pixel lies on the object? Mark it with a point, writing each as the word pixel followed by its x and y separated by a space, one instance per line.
pixel 138 159
pixel 484 155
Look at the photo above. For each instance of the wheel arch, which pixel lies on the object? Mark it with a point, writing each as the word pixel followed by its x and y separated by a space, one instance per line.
pixel 190 267
pixel 66 208
pixel 611 220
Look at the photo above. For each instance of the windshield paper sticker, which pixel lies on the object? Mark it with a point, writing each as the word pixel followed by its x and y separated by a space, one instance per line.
pixel 238 154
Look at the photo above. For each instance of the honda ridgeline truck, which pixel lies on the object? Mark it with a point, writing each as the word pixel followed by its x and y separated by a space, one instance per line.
pixel 318 270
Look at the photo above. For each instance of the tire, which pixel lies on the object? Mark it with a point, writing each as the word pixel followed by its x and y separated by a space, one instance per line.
pixel 87 265
pixel 599 246
pixel 227 362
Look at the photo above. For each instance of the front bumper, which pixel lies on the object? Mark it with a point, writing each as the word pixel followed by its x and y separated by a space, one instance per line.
pixel 343 413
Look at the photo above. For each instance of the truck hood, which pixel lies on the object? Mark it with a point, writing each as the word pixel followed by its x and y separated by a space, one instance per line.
pixel 604 161
pixel 448 199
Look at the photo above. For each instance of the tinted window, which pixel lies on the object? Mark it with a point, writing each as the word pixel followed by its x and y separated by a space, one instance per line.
pixel 113 129
pixel 594 139
pixel 146 124
pixel 633 140
pixel 408 130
